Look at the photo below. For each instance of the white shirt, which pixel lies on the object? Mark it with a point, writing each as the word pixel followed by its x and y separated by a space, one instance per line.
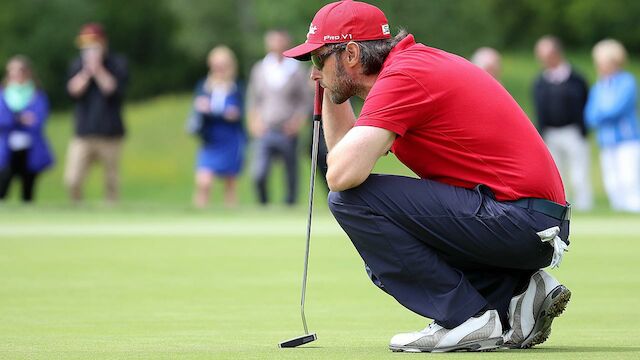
pixel 278 71
pixel 559 74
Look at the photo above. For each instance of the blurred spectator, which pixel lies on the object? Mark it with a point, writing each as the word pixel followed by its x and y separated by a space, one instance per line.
pixel 24 109
pixel 560 95
pixel 279 100
pixel 97 82
pixel 488 59
pixel 611 110
pixel 218 105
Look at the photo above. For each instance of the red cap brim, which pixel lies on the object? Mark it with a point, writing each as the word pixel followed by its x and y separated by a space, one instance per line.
pixel 302 52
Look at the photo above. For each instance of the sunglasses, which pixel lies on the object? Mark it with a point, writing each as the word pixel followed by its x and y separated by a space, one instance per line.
pixel 318 59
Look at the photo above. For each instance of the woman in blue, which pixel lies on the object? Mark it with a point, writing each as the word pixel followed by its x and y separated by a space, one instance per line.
pixel 218 103
pixel 24 109
pixel 611 110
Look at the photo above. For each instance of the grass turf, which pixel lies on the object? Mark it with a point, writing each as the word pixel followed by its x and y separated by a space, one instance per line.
pixel 164 283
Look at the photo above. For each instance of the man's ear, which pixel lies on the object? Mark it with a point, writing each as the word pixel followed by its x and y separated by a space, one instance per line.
pixel 352 53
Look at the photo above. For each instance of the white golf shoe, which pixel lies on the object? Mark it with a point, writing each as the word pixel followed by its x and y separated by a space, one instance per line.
pixel 532 312
pixel 476 334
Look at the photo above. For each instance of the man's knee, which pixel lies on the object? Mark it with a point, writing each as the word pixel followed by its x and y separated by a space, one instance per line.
pixel 348 204
pixel 356 196
pixel 335 201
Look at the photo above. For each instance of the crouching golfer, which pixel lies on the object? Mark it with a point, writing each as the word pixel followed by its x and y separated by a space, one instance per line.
pixel 464 244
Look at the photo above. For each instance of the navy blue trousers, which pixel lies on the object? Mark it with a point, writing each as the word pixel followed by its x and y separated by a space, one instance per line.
pixel 442 251
pixel 276 144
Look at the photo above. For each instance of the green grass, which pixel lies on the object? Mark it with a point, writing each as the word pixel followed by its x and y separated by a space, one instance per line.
pixel 162 283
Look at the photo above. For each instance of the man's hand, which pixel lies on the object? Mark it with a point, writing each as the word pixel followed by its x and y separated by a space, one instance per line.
pixel 93 64
pixel 92 59
pixel 92 68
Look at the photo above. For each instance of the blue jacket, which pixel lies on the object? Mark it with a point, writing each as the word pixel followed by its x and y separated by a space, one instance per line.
pixel 611 109
pixel 214 128
pixel 39 156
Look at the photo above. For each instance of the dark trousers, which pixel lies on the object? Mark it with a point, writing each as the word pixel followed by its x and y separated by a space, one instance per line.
pixel 17 166
pixel 276 144
pixel 443 252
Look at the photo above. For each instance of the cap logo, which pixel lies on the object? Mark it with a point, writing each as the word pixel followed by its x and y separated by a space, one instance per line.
pixel 342 37
pixel 385 29
pixel 312 30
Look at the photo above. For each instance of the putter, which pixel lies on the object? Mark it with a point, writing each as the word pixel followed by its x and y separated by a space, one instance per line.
pixel 317 119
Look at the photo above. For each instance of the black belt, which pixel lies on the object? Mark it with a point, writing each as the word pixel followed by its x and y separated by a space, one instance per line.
pixel 546 207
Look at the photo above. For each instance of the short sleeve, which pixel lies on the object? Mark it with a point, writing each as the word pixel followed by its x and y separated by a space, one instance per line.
pixel 396 102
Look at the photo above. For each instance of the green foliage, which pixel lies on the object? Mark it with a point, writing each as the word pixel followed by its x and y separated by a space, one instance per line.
pixel 166 41
pixel 580 23
pixel 45 31
pixel 145 34
pixel 454 25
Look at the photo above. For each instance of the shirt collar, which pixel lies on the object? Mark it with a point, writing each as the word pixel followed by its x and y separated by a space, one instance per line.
pixel 404 44
pixel 558 74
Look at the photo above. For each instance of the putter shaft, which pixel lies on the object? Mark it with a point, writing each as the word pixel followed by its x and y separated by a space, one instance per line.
pixel 317 119
pixel 314 161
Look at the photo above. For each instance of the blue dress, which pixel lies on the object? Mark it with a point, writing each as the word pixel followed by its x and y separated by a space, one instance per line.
pixel 223 141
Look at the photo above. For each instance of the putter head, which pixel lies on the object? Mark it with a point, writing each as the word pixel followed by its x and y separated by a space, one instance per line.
pixel 297 341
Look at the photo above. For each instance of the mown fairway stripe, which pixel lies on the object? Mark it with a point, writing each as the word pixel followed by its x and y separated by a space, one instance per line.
pixel 324 226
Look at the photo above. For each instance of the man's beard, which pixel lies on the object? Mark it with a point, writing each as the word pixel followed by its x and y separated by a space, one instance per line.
pixel 344 88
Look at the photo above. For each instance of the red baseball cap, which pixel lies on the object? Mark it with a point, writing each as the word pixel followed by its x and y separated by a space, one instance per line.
pixel 91 34
pixel 339 22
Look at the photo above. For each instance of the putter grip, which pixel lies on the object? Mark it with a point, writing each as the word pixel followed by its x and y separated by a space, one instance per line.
pixel 317 104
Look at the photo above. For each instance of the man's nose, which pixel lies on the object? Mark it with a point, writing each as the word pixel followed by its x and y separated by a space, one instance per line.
pixel 315 74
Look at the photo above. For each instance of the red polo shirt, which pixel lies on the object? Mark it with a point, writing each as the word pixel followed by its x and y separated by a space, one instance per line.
pixel 457 125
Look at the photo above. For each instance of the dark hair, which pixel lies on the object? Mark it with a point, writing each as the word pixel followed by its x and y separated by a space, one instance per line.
pixel 26 62
pixel 373 53
pixel 555 42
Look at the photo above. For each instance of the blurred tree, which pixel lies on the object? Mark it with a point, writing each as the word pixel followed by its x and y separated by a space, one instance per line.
pixel 590 21
pixel 166 41
pixel 239 24
pixel 459 26
pixel 45 31
pixel 204 24
pixel 580 23
pixel 146 34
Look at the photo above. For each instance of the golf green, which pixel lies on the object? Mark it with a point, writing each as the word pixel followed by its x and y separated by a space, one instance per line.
pixel 98 283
